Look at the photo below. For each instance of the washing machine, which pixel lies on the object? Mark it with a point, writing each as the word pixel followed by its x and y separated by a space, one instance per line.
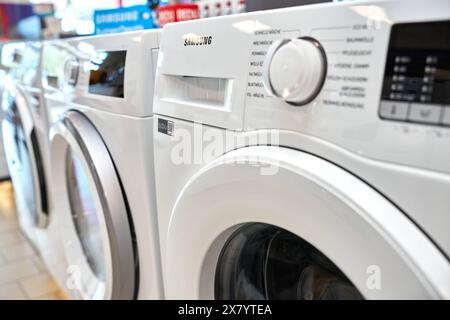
pixel 4 70
pixel 24 131
pixel 25 136
pixel 302 153
pixel 102 160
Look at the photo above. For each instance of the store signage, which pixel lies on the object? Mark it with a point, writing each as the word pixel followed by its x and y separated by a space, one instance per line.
pixel 177 12
pixel 123 19
pixel 197 40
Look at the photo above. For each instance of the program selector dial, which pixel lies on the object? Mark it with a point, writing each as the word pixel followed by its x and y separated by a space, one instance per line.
pixel 295 70
pixel 70 71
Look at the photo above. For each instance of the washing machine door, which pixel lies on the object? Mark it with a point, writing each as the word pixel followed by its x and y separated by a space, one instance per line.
pixel 24 159
pixel 96 226
pixel 4 174
pixel 276 223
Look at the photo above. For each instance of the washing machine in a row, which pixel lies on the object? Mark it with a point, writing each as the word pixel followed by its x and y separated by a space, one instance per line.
pixel 25 139
pixel 99 93
pixel 24 133
pixel 303 153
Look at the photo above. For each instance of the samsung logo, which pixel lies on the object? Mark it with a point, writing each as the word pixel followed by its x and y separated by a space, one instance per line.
pixel 197 41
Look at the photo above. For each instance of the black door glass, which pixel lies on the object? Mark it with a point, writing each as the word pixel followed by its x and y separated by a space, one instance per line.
pixel 262 261
pixel 108 73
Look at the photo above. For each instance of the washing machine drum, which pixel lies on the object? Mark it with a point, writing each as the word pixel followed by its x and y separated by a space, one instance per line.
pixel 261 261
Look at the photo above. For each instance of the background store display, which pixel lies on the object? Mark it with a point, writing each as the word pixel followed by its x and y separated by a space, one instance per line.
pixel 177 12
pixel 123 19
pixel 256 5
pixel 45 19
pixel 214 8
pixel 65 18
pixel 50 25
pixel 19 21
pixel 358 189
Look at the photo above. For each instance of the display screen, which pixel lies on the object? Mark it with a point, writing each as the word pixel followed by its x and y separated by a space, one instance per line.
pixel 107 74
pixel 418 63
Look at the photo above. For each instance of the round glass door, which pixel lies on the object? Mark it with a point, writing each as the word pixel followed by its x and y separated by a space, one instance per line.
pixel 262 261
pixel 97 232
pixel 84 215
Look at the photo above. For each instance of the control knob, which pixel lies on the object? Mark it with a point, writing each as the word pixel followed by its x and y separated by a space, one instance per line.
pixel 295 70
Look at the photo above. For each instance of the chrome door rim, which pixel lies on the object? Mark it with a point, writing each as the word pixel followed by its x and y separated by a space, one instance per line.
pixel 76 132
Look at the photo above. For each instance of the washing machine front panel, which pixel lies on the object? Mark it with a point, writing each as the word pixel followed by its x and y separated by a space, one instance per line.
pixel 352 53
pixel 29 95
pixel 55 94
pixel 352 240
pixel 25 161
pixel 386 91
pixel 116 72
pixel 97 230
pixel 4 174
pixel 60 71
pixel 28 71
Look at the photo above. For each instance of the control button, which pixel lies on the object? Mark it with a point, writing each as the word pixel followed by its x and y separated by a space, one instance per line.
pixel 70 71
pixel 425 113
pixel 446 115
pixel 295 69
pixel 393 110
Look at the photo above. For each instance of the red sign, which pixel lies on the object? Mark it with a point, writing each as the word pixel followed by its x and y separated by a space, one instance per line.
pixel 177 12
pixel 3 23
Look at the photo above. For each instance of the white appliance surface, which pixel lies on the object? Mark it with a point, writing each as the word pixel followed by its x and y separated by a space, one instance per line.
pixel 327 96
pixel 101 145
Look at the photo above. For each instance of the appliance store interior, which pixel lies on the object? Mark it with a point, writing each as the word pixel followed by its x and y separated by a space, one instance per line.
pixel 225 149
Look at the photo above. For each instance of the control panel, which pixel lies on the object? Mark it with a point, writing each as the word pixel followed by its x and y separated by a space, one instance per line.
pixel 416 84
pixel 295 69
pixel 369 77
pixel 385 69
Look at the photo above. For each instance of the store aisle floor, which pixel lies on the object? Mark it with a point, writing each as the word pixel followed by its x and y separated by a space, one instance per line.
pixel 23 275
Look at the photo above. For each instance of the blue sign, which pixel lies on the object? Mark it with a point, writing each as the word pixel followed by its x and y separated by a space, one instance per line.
pixel 123 19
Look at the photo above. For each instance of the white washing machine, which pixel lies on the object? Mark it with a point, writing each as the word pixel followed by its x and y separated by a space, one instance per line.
pixel 102 160
pixel 302 153
pixel 4 70
pixel 25 137
pixel 25 130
